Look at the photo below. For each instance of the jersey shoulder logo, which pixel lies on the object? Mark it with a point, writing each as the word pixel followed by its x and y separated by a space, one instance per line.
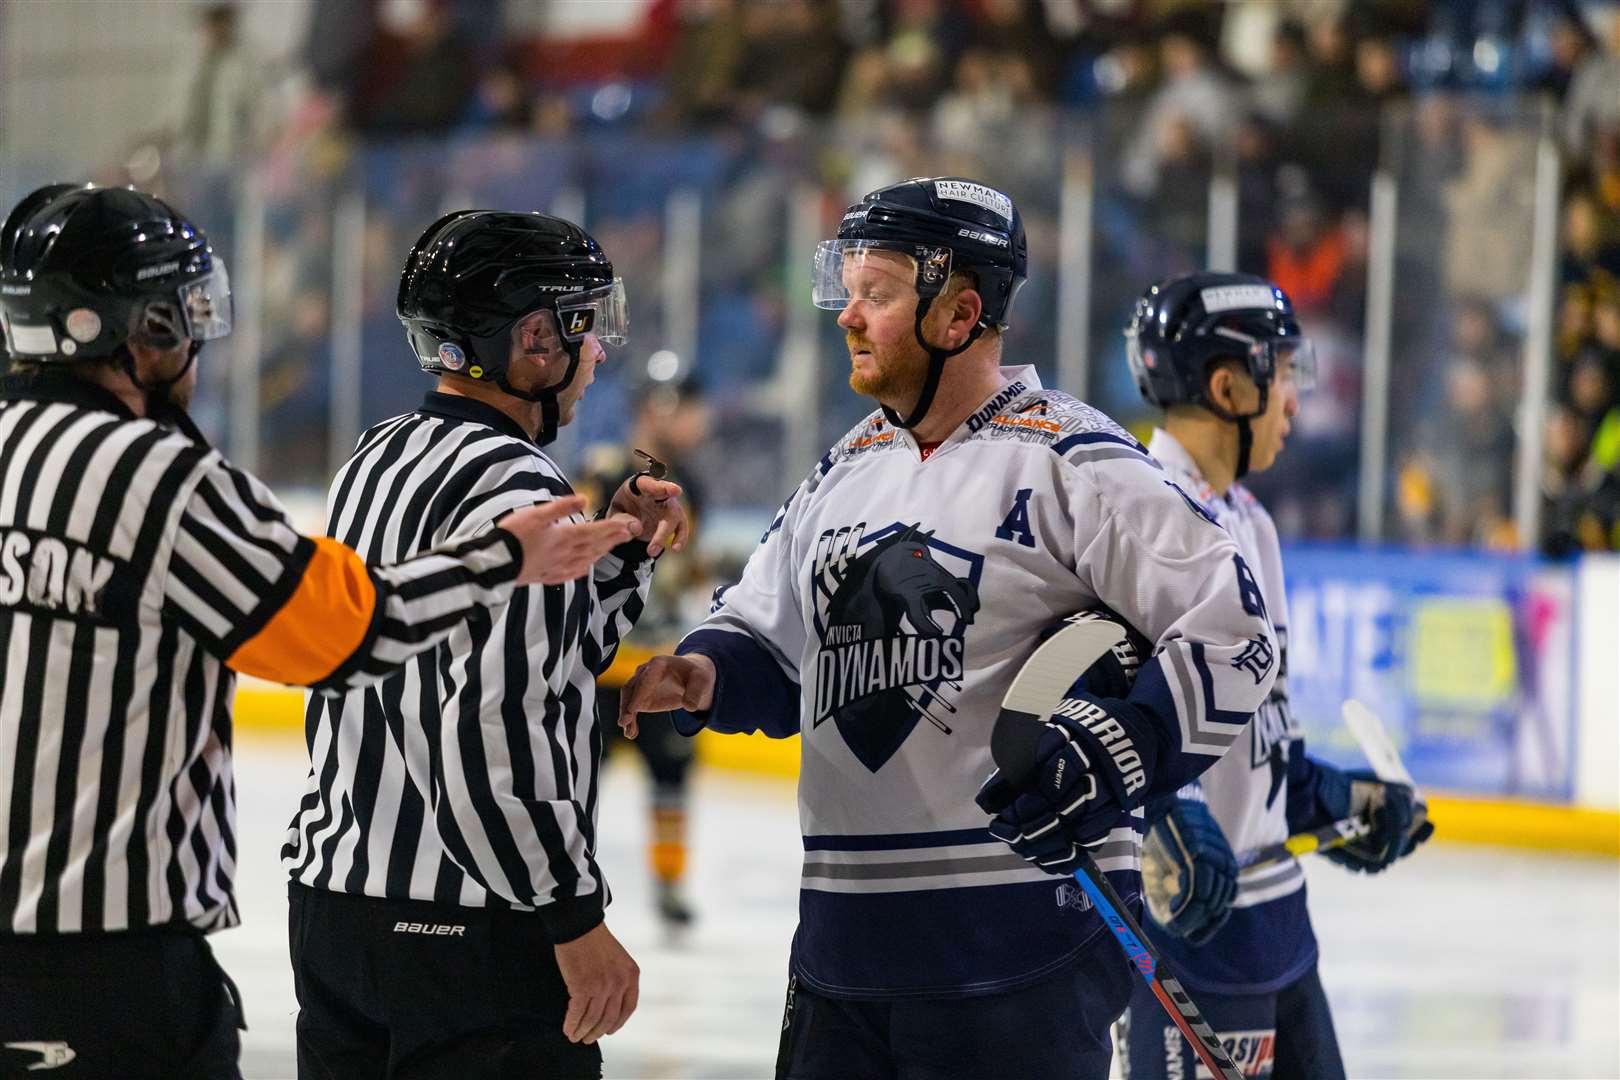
pixel 892 609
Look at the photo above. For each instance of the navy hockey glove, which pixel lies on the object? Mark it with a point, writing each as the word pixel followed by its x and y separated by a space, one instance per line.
pixel 1091 767
pixel 1397 822
pixel 1189 872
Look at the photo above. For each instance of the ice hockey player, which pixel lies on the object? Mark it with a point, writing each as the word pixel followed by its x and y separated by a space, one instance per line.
pixel 1223 355
pixel 882 618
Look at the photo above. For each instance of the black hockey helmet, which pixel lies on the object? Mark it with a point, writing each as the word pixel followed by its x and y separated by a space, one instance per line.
pixel 476 275
pixel 1183 325
pixel 85 269
pixel 945 224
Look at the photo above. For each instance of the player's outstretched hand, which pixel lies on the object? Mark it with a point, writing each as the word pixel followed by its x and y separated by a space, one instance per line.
pixel 556 549
pixel 1091 765
pixel 656 505
pixel 664 683
pixel 1189 873
pixel 603 983
pixel 1398 823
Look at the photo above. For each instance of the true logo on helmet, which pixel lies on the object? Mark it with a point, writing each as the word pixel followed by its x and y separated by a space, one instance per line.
pixel 83 325
pixel 451 356
pixel 977 194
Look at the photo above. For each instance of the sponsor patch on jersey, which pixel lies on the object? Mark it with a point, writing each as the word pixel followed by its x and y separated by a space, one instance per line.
pixel 1253 1052
pixel 977 194
pixel 83 325
pixel 1230 297
pixel 451 356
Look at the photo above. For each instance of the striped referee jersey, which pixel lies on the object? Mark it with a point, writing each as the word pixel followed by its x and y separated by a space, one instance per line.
pixel 469 777
pixel 138 572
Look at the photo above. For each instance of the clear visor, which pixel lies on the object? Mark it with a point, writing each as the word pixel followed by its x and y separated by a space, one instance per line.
pixel 602 313
pixel 1294 361
pixel 205 305
pixel 1290 360
pixel 846 270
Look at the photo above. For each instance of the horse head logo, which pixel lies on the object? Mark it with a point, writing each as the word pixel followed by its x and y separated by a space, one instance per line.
pixel 894 633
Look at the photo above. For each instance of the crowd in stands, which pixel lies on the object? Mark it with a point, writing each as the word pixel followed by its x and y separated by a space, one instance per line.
pixel 1296 102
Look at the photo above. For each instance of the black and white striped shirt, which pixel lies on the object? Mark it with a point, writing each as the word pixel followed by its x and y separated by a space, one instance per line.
pixel 470 777
pixel 135 565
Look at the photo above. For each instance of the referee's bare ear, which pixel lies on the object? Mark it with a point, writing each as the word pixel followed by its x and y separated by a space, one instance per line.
pixel 555 550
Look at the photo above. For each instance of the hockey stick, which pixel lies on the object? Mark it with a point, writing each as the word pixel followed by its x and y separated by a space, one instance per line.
pixel 1035 692
pixel 1334 835
pixel 1386 762
pixel 1379 749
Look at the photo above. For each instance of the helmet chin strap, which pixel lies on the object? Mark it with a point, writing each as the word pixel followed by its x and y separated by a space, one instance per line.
pixel 936 368
pixel 550 409
pixel 159 406
pixel 1245 430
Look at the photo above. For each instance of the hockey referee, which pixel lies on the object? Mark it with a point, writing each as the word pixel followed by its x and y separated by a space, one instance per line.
pixel 139 571
pixel 446 903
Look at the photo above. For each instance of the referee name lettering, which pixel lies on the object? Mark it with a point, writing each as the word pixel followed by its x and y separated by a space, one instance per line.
pixel 51 574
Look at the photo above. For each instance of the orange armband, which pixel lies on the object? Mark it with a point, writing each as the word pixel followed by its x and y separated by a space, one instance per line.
pixel 321 624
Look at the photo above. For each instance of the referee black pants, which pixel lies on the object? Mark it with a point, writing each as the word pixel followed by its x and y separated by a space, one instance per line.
pixel 410 990
pixel 146 1005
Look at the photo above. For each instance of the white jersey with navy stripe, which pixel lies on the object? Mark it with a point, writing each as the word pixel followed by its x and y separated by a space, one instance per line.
pixel 882 618
pixel 1247 790
pixel 1267 941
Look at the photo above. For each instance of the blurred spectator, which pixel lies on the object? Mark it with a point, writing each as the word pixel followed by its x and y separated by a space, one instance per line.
pixel 1569 44
pixel 1454 490
pixel 1193 110
pixel 701 80
pixel 791 55
pixel 1491 210
pixel 220 114
pixel 1306 254
pixel 418 75
pixel 1594 94
pixel 1279 91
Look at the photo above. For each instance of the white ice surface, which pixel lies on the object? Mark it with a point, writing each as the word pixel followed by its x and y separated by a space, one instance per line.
pixel 1461 962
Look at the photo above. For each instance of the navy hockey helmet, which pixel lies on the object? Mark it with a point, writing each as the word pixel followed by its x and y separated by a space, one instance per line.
pixel 85 269
pixel 1182 325
pixel 944 224
pixel 477 276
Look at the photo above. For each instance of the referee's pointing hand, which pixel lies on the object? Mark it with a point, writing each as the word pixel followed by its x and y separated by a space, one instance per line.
pixel 557 550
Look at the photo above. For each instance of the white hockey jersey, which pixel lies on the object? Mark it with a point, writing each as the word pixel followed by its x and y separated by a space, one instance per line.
pixel 1267 942
pixel 882 618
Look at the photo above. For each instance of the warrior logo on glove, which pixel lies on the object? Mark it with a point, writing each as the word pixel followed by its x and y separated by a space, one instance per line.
pixel 891 613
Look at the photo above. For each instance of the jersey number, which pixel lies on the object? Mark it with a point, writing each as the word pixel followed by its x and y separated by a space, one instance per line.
pixel 1248 590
